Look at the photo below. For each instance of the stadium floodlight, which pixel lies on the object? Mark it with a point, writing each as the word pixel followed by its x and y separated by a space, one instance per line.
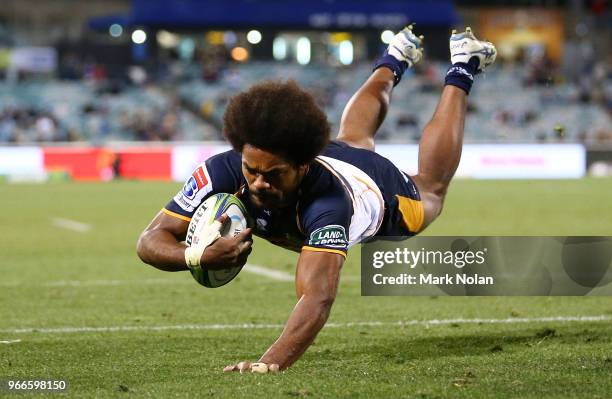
pixel 186 48
pixel 167 39
pixel 139 36
pixel 254 36
pixel 302 53
pixel 279 48
pixel 115 30
pixel 386 36
pixel 240 54
pixel 345 52
pixel 229 38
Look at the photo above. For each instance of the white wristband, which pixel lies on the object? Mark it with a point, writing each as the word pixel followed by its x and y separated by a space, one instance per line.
pixel 205 236
pixel 193 256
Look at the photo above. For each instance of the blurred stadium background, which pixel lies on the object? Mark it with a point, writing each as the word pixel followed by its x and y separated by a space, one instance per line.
pixel 118 92
pixel 75 76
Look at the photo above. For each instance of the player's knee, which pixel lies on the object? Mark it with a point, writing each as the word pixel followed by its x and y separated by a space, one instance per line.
pixel 432 196
pixel 433 203
pixel 438 189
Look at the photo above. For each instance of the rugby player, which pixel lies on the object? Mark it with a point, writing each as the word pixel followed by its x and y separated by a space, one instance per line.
pixel 315 196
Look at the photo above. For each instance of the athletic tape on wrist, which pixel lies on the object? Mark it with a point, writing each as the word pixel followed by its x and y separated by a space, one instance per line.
pixel 193 255
pixel 206 236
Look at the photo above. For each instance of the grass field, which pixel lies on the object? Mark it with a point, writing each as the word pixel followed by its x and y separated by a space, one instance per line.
pixel 85 309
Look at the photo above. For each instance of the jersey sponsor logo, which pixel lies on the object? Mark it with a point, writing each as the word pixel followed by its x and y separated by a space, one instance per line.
pixel 182 202
pixel 194 190
pixel 333 236
pixel 195 183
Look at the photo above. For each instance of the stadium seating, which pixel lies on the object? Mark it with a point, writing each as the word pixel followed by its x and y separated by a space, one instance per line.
pixel 83 112
pixel 522 114
pixel 193 109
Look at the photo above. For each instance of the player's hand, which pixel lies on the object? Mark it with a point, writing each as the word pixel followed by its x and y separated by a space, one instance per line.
pixel 257 367
pixel 228 252
pixel 406 47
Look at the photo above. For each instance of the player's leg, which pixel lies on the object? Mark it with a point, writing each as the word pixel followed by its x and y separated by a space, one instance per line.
pixel 440 151
pixel 366 110
pixel 442 139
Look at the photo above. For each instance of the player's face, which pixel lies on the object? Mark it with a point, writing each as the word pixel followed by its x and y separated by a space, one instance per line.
pixel 273 182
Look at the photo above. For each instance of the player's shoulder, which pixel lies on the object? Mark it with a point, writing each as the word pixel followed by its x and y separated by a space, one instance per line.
pixel 324 217
pixel 219 173
pixel 321 183
pixel 224 168
pixel 230 159
pixel 324 196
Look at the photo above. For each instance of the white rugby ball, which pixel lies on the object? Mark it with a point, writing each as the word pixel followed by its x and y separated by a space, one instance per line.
pixel 210 210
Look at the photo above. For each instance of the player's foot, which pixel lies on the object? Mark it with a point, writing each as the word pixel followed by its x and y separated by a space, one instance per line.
pixel 406 46
pixel 465 47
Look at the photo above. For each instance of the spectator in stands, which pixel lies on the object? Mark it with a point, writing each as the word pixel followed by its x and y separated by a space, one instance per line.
pixel 45 128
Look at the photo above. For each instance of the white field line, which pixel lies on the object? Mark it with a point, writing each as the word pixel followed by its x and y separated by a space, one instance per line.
pixel 95 283
pixel 71 225
pixel 284 276
pixel 270 273
pixel 62 330
pixel 90 283
pixel 10 341
pixel 255 269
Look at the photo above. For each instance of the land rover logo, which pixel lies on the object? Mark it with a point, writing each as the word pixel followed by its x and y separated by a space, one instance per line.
pixel 329 236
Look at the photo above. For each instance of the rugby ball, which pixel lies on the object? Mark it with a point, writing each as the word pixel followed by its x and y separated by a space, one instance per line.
pixel 206 214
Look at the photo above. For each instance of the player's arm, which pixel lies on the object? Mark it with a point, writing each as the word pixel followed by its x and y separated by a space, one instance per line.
pixel 366 110
pixel 160 246
pixel 317 279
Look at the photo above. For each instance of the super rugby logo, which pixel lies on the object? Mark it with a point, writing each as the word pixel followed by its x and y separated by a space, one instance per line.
pixel 195 183
pixel 330 236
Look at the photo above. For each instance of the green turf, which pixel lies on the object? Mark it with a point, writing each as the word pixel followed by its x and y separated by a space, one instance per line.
pixel 539 359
